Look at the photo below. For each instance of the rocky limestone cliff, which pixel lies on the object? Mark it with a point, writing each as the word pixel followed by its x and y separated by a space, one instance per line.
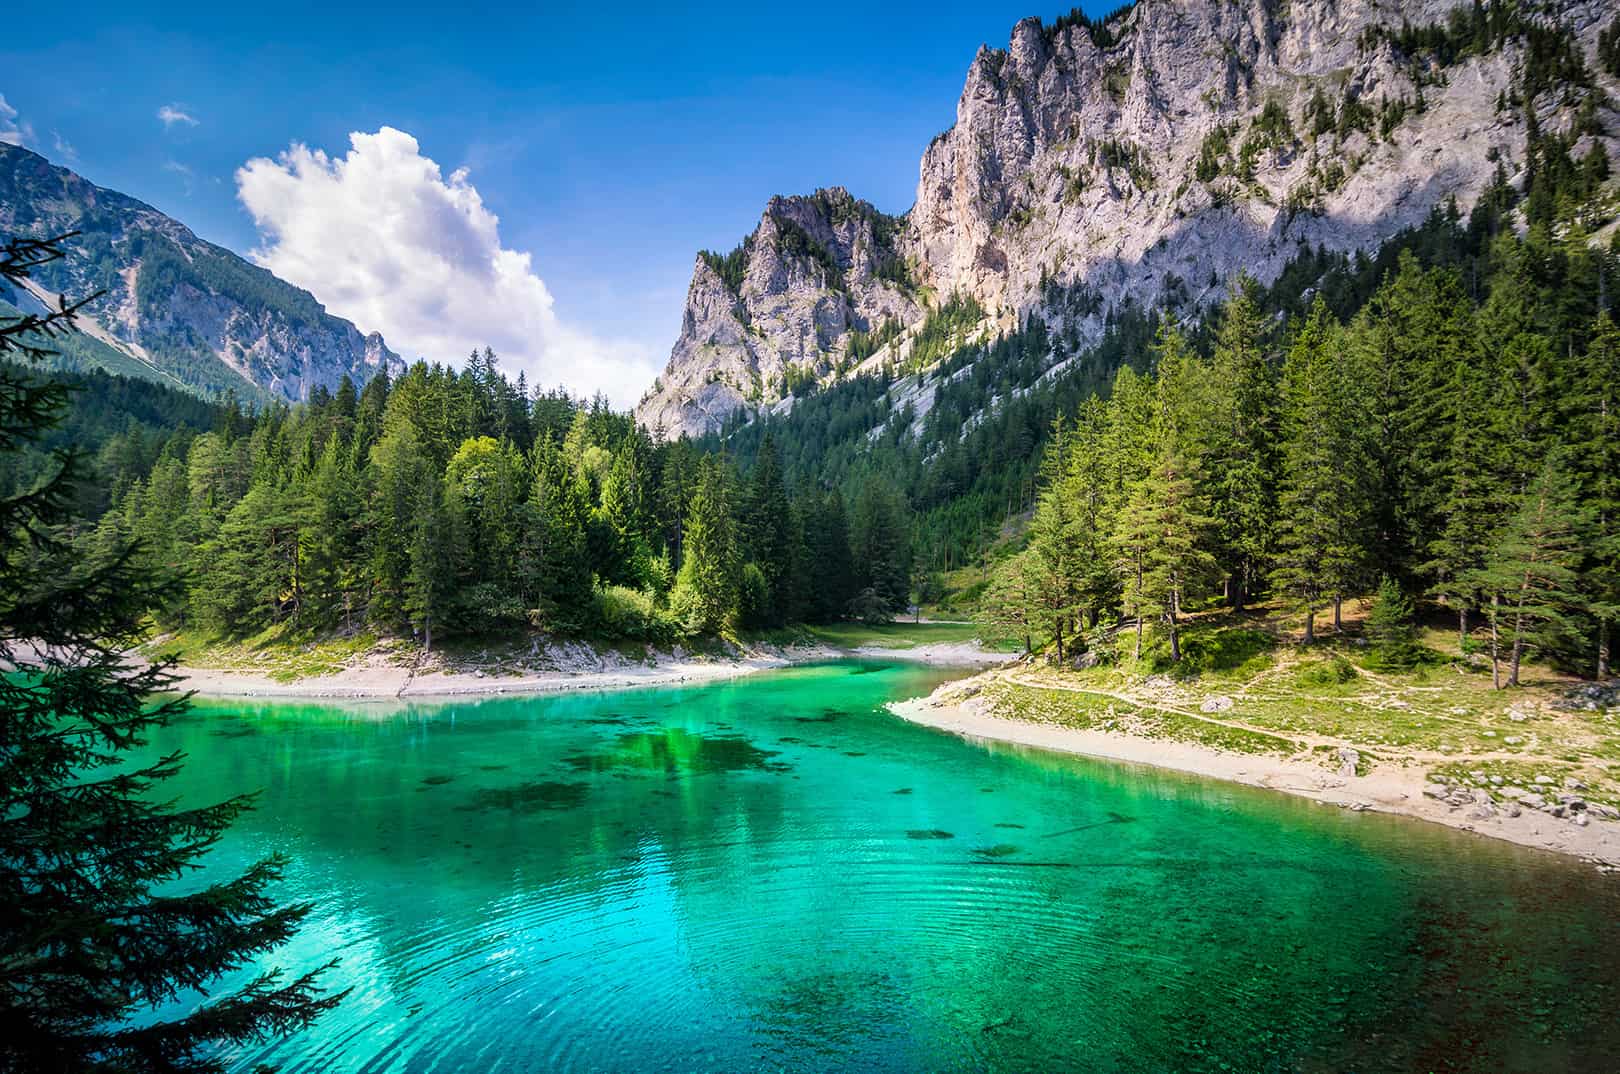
pixel 801 297
pixel 176 308
pixel 1154 158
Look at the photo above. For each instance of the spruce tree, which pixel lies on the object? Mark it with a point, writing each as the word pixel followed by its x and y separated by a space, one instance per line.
pixel 1474 493
pixel 90 952
pixel 1596 431
pixel 398 473
pixel 1243 463
pixel 705 594
pixel 1167 531
pixel 1321 547
pixel 430 581
pixel 830 570
pixel 553 557
pixel 1391 631
pixel 1055 540
pixel 766 530
pixel 1530 572
pixel 1008 607
pixel 880 543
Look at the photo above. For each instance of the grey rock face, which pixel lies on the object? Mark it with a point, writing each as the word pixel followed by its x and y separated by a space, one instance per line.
pixel 816 273
pixel 1075 161
pixel 177 308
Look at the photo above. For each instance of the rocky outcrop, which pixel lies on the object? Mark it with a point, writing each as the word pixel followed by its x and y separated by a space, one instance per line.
pixel 803 296
pixel 1152 157
pixel 181 310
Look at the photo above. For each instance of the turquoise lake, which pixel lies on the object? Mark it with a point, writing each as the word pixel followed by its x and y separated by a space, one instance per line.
pixel 776 874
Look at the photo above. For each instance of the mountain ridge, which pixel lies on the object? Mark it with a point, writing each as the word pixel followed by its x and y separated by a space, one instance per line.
pixel 176 308
pixel 1154 155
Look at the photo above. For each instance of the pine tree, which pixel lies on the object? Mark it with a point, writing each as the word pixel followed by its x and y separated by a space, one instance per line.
pixel 1007 609
pixel 705 594
pixel 1595 426
pixel 1166 529
pixel 1321 547
pixel 554 559
pixel 1530 572
pixel 766 531
pixel 1243 463
pixel 1391 630
pixel 431 579
pixel 92 956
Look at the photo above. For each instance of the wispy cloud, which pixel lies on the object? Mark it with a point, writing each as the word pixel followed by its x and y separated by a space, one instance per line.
pixel 384 238
pixel 13 128
pixel 170 114
pixel 64 148
pixel 187 176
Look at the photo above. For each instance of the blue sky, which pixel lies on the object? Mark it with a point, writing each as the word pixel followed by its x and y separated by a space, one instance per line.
pixel 611 143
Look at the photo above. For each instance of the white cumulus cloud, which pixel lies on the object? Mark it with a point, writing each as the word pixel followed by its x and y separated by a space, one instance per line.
pixel 170 114
pixel 12 128
pixel 383 238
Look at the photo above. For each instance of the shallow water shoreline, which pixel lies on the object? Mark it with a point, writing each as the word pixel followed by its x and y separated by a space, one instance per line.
pixel 1387 789
pixel 376 680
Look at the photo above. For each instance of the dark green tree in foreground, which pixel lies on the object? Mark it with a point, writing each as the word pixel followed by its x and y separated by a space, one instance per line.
pixel 92 936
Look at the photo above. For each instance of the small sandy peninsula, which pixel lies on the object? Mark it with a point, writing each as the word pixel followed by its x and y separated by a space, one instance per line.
pixel 957 708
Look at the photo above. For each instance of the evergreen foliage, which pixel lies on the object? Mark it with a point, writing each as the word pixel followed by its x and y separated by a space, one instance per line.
pixel 1392 628
pixel 96 944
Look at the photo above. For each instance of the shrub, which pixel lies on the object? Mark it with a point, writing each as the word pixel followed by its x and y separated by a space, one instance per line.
pixel 1335 671
pixel 869 607
pixel 632 615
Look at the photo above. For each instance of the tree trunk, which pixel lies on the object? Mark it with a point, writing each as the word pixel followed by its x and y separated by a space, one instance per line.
pixel 1338 617
pixel 1172 613
pixel 1310 624
pixel 427 634
pixel 1518 649
pixel 1462 629
pixel 1496 673
pixel 1138 636
pixel 1057 631
pixel 1603 649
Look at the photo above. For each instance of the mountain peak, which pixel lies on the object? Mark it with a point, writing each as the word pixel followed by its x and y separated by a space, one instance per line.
pixel 1153 154
pixel 178 309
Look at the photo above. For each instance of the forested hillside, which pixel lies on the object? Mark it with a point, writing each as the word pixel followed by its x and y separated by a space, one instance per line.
pixel 120 423
pixel 1424 415
pixel 454 502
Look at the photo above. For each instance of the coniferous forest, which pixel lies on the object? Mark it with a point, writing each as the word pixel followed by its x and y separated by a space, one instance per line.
pixel 454 502
pixel 1440 417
